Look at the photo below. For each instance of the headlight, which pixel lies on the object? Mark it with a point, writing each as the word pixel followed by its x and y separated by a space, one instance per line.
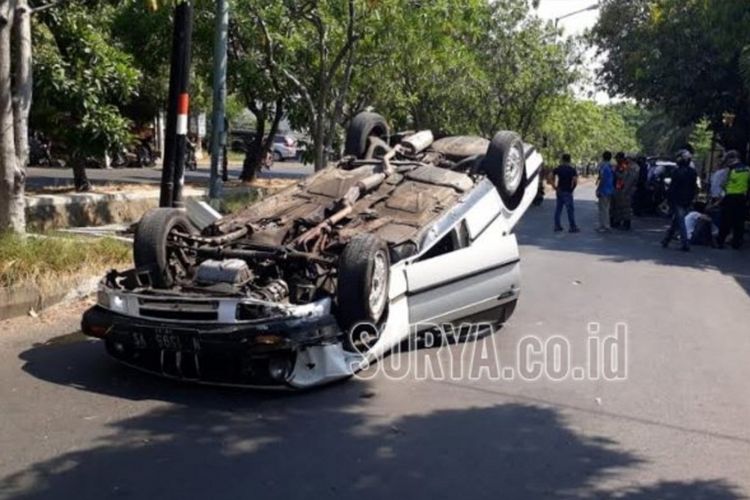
pixel 102 299
pixel 118 304
pixel 111 301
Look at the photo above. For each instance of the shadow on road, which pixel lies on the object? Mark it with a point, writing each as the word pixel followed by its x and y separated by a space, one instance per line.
pixel 331 442
pixel 640 244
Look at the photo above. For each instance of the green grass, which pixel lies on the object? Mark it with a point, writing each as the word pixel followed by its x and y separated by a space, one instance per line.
pixel 42 260
pixel 235 157
pixel 236 202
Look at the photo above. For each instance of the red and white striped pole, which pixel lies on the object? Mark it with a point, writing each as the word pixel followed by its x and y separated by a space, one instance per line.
pixel 175 144
pixel 183 112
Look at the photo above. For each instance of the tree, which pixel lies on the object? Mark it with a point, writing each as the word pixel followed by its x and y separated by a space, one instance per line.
pixel 689 58
pixel 254 76
pixel 15 102
pixel 462 67
pixel 311 45
pixel 584 129
pixel 84 78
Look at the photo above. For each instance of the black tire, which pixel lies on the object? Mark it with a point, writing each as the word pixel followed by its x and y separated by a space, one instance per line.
pixel 358 274
pixel 502 159
pixel 363 126
pixel 277 156
pixel 150 245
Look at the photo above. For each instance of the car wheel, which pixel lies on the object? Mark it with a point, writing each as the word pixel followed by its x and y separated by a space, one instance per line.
pixel 151 251
pixel 362 288
pixel 505 166
pixel 363 126
pixel 277 156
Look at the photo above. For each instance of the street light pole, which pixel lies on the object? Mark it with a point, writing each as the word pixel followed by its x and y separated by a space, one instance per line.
pixel 579 11
pixel 218 116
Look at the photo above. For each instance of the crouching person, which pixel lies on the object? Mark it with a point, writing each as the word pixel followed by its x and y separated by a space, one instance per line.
pixel 701 230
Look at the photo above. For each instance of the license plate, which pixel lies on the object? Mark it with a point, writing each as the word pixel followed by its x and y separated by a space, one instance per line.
pixel 166 339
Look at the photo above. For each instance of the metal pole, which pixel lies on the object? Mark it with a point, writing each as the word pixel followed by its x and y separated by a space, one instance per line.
pixel 170 152
pixel 218 132
pixel 184 14
pixel 177 108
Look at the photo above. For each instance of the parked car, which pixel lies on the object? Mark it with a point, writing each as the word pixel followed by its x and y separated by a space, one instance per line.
pixel 395 237
pixel 284 148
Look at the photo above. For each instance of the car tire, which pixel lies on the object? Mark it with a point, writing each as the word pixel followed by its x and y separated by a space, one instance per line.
pixel 150 243
pixel 363 278
pixel 363 126
pixel 505 165
pixel 277 156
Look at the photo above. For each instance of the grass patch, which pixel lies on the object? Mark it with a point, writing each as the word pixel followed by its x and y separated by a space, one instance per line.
pixel 233 203
pixel 43 260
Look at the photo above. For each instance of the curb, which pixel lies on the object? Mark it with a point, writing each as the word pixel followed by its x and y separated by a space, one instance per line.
pixel 18 300
pixel 47 212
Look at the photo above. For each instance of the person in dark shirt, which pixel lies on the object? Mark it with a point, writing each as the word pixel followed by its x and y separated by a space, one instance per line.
pixel 682 191
pixel 564 180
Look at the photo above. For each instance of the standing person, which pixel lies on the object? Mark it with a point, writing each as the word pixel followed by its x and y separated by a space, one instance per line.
pixel 716 192
pixel 605 187
pixel 626 180
pixel 734 204
pixel 681 193
pixel 564 181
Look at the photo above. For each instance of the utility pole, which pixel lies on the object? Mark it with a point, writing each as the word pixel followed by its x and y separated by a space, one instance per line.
pixel 580 11
pixel 218 118
pixel 175 144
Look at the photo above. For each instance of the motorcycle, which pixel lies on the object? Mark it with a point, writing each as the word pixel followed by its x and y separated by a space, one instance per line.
pixel 143 156
pixel 40 153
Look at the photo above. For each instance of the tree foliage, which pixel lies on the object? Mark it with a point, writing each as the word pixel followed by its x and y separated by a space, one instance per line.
pixel 690 58
pixel 83 78
pixel 584 129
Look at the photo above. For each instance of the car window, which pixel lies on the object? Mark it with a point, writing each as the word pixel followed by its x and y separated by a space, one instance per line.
pixel 457 238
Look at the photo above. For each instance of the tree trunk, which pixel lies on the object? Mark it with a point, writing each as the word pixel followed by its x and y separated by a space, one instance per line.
pixel 80 179
pixel 22 92
pixel 319 143
pixel 253 161
pixel 9 218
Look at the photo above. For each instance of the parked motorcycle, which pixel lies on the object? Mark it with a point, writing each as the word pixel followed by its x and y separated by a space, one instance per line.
pixel 140 157
pixel 40 152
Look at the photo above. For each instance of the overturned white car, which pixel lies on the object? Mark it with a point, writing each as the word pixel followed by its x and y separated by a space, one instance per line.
pixel 405 230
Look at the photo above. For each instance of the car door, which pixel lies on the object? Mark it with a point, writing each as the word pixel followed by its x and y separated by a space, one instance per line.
pixel 472 268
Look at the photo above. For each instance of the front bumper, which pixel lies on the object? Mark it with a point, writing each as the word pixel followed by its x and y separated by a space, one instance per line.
pixel 264 354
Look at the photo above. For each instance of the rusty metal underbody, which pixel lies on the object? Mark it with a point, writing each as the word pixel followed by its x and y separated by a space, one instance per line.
pixel 397 210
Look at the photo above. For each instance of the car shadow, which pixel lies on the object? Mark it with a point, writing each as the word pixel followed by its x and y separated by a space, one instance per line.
pixel 78 361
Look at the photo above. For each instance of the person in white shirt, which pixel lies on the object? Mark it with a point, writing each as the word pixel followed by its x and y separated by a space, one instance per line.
pixel 700 229
pixel 718 179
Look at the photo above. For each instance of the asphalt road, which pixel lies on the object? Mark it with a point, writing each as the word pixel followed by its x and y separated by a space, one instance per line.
pixel 38 177
pixel 75 424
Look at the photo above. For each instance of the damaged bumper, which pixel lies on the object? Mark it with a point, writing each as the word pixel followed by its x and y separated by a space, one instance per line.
pixel 294 351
